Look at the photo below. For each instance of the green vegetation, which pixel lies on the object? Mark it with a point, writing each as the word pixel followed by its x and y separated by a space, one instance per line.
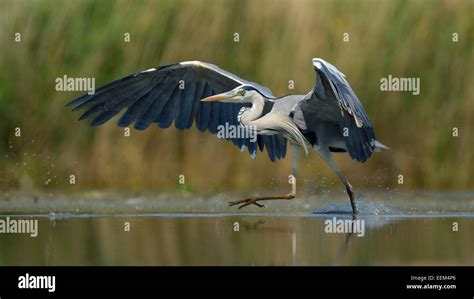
pixel 277 41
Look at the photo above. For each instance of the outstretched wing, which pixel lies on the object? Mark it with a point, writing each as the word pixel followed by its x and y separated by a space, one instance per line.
pixel 334 101
pixel 172 93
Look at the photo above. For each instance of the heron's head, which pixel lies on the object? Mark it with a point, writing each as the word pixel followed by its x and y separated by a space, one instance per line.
pixel 241 94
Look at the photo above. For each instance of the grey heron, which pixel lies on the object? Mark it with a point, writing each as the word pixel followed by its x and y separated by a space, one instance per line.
pixel 330 118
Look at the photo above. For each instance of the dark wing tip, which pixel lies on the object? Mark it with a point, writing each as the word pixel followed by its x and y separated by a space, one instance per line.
pixel 78 100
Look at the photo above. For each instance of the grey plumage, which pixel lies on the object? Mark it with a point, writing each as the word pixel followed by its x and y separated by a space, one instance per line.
pixel 155 96
pixel 330 118
pixel 332 104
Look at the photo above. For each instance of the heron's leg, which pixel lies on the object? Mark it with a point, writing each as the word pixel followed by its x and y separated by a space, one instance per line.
pixel 254 200
pixel 326 155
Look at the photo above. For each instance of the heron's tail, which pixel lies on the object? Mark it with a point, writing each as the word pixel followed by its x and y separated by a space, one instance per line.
pixel 379 146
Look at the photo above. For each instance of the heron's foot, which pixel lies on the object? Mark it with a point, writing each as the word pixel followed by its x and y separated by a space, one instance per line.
pixel 246 202
pixel 253 200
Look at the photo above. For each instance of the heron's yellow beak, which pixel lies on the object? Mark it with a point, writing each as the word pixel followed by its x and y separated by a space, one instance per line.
pixel 217 97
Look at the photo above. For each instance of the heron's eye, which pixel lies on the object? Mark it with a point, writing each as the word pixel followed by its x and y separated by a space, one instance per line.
pixel 242 92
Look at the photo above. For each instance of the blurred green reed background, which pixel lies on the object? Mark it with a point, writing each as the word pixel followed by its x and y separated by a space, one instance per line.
pixel 277 41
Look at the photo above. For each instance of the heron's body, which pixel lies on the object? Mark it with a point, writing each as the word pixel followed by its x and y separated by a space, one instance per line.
pixel 328 119
pixel 288 107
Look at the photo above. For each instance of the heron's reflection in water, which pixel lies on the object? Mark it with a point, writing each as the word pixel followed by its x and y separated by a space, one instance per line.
pixel 355 227
pixel 260 240
pixel 293 236
pixel 290 235
pixel 285 232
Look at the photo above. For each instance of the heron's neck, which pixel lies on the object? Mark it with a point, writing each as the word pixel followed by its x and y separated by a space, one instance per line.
pixel 250 114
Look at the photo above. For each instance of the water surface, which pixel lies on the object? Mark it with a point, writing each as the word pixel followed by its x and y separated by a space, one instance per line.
pixel 411 228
